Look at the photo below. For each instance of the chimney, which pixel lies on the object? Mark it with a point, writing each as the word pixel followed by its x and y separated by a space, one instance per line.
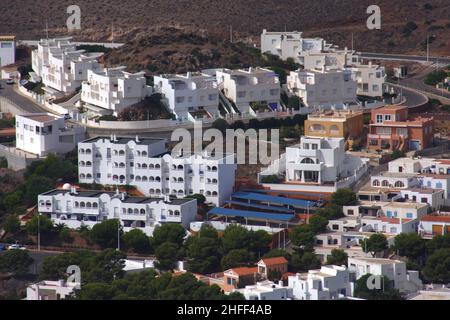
pixel 123 196
pixel 73 190
pixel 280 283
pixel 112 138
pixel 117 191
pixel 137 139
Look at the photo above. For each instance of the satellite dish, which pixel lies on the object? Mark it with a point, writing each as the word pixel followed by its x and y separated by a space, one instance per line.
pixel 67 186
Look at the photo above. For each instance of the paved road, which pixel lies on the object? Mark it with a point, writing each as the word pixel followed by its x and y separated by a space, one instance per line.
pixel 24 103
pixel 403 57
pixel 112 45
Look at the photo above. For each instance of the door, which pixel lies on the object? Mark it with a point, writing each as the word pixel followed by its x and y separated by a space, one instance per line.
pixel 437 230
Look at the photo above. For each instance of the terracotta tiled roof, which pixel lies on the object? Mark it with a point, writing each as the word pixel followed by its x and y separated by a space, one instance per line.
pixel 436 219
pixel 244 271
pixel 274 261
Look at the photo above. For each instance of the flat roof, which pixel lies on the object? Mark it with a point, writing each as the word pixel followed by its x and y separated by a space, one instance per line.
pixel 272 199
pixel 260 206
pixel 251 214
pixel 7 38
pixel 40 117
pixel 125 140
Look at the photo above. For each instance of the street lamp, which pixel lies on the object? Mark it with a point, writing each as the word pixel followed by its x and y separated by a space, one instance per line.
pixel 39 232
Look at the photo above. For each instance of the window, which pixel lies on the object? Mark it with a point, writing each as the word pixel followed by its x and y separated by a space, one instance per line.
pixel 399 184
pixel 379 118
pixel 376 183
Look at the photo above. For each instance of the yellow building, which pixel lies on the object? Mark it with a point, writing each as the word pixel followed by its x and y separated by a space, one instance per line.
pixel 336 124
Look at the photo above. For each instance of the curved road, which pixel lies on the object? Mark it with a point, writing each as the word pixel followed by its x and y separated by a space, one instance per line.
pixel 27 105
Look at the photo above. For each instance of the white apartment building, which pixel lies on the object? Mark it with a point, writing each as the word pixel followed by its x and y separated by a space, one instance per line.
pixel 61 66
pixel 370 79
pixel 327 283
pixel 144 163
pixel 77 208
pixel 114 89
pixel 44 133
pixel 395 270
pixel 316 164
pixel 189 93
pixel 417 175
pixel 289 44
pixel 246 86
pixel 339 59
pixel 266 291
pixel 323 87
pixel 7 50
pixel 51 290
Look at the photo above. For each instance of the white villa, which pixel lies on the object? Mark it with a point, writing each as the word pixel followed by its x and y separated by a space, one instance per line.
pixel 51 290
pixel 315 165
pixel 289 44
pixel 61 66
pixel 336 58
pixel 245 86
pixel 370 79
pixel 77 208
pixel 395 270
pixel 323 88
pixel 144 163
pixel 44 133
pixel 113 89
pixel 7 50
pixel 190 93
pixel 327 283
pixel 266 291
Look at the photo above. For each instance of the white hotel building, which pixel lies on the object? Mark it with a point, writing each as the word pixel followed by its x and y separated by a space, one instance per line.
pixel 245 86
pixel 315 165
pixel 114 89
pixel 61 66
pixel 43 133
pixel 323 88
pixel 77 208
pixel 189 93
pixel 144 163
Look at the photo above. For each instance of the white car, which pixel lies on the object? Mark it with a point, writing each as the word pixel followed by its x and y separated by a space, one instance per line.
pixel 16 247
pixel 10 81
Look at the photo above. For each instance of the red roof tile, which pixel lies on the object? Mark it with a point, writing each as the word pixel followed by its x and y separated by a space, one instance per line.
pixel 274 261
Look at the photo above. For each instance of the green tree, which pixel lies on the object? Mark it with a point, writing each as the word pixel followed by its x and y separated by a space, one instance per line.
pixel 13 200
pixel 169 232
pixel 259 242
pixel 438 242
pixel 236 258
pixel 137 240
pixel 95 291
pixel 167 256
pixel 105 233
pixel 385 292
pixel 294 102
pixel 302 236
pixel 201 199
pixel 437 267
pixel 410 245
pixel 16 262
pixel 42 223
pixel 344 197
pixel 35 186
pixel 338 257
pixel 302 261
pixel 318 224
pixel 235 237
pixel 11 223
pixel 375 244
pixel 203 254
pixel 330 212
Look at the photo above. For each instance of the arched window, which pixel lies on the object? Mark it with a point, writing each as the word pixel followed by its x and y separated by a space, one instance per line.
pixel 399 184
pixel 158 191
pixel 116 152
pixel 144 166
pixel 208 193
pixel 158 179
pixel 116 165
pixel 152 191
pixel 308 161
pixel 142 211
pixel 151 166
pixel 95 205
pixel 215 194
pixel 177 213
pixel 136 211
pixel 180 167
pixel 82 163
pixel 122 178
pixel 138 178
pixel 89 176
pixel 214 181
pixel 121 153
pixel 138 153
pixel 130 211
pixel 82 205
pixel 88 205
pixel 81 151
pixel 180 180
pixel 77 204
pixel 151 179
pixel 144 179
pixel 317 127
pixel 385 183
pixel 41 203
pixel 88 151
pixel 376 183
pixel 180 192
pixel 170 213
pixel 214 169
pixel 122 165
pixel 157 166
pixel 334 129
pixel 88 164
pixel 174 167
pixel 82 176
pixel 174 191
pixel 48 203
pixel 144 153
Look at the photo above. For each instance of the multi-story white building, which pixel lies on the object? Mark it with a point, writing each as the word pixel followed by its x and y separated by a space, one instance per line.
pixel 76 208
pixel 339 59
pixel 7 50
pixel 44 133
pixel 189 93
pixel 266 291
pixel 395 270
pixel 61 66
pixel 316 164
pixel 323 88
pixel 143 162
pixel 247 86
pixel 114 89
pixel 434 225
pixel 51 290
pixel 289 44
pixel 327 283
pixel 370 79
pixel 416 175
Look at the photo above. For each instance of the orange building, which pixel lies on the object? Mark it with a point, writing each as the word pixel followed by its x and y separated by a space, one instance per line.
pixel 336 124
pixel 392 128
pixel 238 278
pixel 271 265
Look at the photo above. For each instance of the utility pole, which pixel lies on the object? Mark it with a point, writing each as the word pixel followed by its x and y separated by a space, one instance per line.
pixel 46 28
pixel 118 234
pixel 353 42
pixel 231 33
pixel 428 48
pixel 39 232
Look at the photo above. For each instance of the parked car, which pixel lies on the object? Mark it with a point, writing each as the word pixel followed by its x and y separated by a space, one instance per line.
pixel 2 248
pixel 16 247
pixel 67 116
pixel 10 81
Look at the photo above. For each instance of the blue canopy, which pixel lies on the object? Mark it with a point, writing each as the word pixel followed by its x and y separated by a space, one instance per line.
pixel 271 199
pixel 261 206
pixel 251 214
